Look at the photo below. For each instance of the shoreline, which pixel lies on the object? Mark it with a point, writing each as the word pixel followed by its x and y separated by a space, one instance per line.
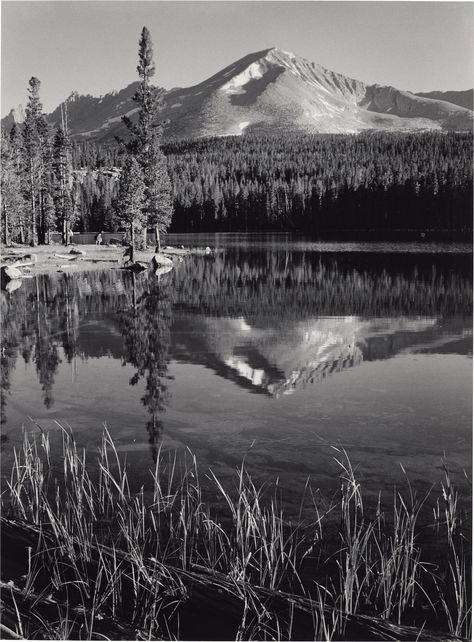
pixel 58 258
pixel 48 259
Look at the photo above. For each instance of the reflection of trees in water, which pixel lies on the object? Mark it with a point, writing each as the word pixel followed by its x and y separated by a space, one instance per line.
pixel 44 315
pixel 145 327
pixel 46 356
pixel 254 284
pixel 70 321
pixel 46 312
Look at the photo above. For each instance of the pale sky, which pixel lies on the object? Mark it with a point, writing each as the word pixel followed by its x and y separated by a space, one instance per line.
pixel 91 46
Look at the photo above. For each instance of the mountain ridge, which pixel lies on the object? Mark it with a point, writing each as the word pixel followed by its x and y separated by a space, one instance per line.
pixel 272 90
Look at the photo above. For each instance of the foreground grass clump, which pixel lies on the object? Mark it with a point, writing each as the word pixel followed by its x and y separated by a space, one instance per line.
pixel 92 560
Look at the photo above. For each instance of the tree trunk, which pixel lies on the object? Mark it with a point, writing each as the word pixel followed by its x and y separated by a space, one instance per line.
pixel 33 212
pixel 157 239
pixel 42 223
pixel 132 246
pixel 33 222
pixel 5 233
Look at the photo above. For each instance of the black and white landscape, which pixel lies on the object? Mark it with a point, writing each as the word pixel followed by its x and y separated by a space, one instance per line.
pixel 236 351
pixel 273 90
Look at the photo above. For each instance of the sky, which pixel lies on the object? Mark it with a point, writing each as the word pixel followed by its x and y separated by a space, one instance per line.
pixel 91 46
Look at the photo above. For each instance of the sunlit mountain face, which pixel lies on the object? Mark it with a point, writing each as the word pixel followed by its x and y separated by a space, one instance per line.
pixel 267 91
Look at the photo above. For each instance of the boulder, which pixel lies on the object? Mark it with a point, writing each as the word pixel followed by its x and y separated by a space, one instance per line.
pixel 11 272
pixel 77 251
pixel 208 250
pixel 13 285
pixel 160 260
pixel 164 269
pixel 136 267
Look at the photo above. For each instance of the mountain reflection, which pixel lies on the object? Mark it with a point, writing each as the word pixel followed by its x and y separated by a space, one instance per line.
pixel 279 360
pixel 272 322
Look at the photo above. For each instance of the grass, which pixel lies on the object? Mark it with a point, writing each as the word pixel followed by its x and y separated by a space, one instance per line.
pixel 151 565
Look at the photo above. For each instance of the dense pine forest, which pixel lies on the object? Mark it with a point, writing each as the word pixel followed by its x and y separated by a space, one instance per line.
pixel 299 183
pixel 305 183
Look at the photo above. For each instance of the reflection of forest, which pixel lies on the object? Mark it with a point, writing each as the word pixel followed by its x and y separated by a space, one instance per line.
pixel 260 316
pixel 145 327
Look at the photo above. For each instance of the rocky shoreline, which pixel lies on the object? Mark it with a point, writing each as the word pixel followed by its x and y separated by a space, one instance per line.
pixel 18 263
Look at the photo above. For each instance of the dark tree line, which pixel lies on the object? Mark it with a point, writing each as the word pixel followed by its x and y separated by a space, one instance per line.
pixel 295 183
pixel 318 183
pixel 308 183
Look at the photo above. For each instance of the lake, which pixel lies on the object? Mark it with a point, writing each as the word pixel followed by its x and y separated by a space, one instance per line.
pixel 271 351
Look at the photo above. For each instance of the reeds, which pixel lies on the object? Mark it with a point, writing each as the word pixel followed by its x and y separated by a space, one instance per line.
pixel 136 560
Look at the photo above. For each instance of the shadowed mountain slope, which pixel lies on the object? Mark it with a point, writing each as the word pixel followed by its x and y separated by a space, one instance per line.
pixel 461 98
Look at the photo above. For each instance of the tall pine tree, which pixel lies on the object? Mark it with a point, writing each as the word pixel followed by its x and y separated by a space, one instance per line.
pixel 32 151
pixel 130 199
pixel 11 202
pixel 63 182
pixel 145 141
pixel 36 152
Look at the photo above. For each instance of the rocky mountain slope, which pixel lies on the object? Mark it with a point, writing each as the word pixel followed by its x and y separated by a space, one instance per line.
pixel 461 98
pixel 274 90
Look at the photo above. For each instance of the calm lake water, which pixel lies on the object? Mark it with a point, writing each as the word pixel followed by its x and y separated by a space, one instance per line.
pixel 273 352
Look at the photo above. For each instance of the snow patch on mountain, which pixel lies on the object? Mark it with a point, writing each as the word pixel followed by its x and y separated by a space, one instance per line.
pixel 235 85
pixel 270 91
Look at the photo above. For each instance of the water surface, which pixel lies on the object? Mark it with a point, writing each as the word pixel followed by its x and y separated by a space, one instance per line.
pixel 275 353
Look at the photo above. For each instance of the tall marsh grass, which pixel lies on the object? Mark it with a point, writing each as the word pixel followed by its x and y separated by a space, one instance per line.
pixel 138 559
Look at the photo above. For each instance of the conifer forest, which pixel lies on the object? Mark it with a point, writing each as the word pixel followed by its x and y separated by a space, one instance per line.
pixel 299 183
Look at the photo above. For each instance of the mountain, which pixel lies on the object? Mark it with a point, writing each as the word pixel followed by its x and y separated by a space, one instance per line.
pixel 280 360
pixel 271 91
pixel 461 98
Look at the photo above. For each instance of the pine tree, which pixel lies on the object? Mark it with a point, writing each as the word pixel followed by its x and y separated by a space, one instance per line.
pixel 145 141
pixel 16 147
pixel 35 146
pixel 131 195
pixel 46 206
pixel 63 182
pixel 12 202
